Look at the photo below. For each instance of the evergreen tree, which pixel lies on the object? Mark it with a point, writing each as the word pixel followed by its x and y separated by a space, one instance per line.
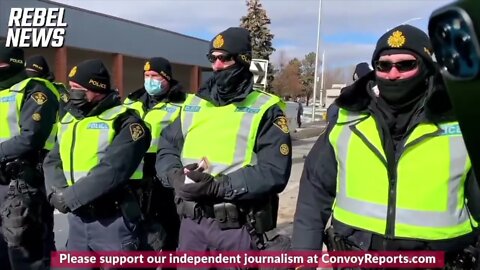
pixel 308 74
pixel 257 22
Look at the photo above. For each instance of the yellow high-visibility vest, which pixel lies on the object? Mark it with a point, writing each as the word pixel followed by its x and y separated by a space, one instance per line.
pixel 83 142
pixel 157 118
pixel 11 102
pixel 225 135
pixel 428 201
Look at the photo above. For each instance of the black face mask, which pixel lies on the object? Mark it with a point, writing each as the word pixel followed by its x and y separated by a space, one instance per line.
pixel 403 91
pixel 400 93
pixel 228 80
pixel 78 98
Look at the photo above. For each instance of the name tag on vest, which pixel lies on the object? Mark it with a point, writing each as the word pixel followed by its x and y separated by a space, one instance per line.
pixel 170 109
pixel 97 125
pixel 247 110
pixel 450 130
pixel 191 108
pixel 7 99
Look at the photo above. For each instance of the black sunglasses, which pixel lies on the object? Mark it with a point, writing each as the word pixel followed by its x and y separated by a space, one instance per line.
pixel 222 57
pixel 402 66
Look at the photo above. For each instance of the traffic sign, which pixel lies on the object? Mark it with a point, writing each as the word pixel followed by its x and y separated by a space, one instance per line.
pixel 259 68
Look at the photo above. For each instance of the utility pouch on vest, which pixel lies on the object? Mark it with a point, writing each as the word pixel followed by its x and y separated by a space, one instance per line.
pixel 265 216
pixel 192 210
pixel 186 208
pixel 228 215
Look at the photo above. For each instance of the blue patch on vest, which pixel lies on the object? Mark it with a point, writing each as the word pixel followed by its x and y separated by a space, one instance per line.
pixel 170 109
pixel 451 129
pixel 8 99
pixel 247 110
pixel 97 125
pixel 191 108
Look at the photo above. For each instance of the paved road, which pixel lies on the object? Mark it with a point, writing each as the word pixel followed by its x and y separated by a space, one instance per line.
pixel 288 197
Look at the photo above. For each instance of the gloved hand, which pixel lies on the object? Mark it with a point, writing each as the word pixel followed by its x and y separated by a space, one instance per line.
pixel 57 200
pixel 176 176
pixel 205 187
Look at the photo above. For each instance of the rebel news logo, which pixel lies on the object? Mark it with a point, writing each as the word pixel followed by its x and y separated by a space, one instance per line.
pixel 36 28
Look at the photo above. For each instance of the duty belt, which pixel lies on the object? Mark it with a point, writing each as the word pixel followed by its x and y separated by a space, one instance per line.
pixel 99 210
pixel 194 210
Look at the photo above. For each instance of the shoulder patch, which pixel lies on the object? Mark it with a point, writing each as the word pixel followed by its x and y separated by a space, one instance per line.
pixel 137 131
pixel 36 117
pixel 282 123
pixel 39 97
pixel 284 149
pixel 64 97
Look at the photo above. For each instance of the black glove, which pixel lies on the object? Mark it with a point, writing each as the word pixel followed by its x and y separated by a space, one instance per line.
pixel 57 200
pixel 176 176
pixel 205 187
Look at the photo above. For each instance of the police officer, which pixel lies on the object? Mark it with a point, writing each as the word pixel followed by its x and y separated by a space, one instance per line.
pixel 396 168
pixel 230 152
pixel 361 69
pixel 158 103
pixel 28 112
pixel 91 172
pixel 37 66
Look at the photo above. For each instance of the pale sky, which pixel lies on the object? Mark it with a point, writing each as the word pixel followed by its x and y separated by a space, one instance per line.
pixel 349 28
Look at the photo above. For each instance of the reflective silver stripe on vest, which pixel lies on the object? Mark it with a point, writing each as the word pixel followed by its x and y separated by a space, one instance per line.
pixel 407 216
pixel 242 141
pixel 63 128
pixel 163 123
pixel 78 176
pixel 188 119
pixel 103 143
pixel 351 117
pixel 12 119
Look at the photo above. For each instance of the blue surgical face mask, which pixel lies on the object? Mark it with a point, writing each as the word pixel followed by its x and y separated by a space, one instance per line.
pixel 153 87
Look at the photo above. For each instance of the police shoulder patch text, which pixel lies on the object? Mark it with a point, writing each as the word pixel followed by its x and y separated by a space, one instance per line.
pixel 137 131
pixel 39 97
pixel 284 149
pixel 282 123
